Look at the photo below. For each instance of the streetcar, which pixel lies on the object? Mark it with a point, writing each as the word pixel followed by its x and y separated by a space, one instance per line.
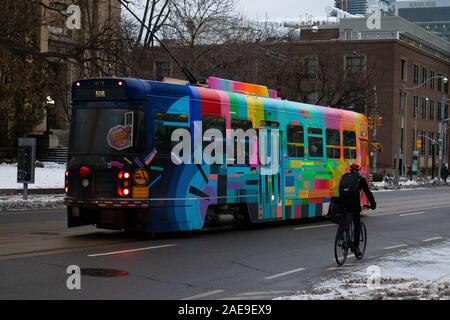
pixel 121 173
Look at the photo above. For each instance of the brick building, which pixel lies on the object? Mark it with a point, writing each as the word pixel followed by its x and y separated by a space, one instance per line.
pixel 400 55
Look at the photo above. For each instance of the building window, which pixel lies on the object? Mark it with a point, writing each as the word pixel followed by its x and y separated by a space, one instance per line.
pixel 311 68
pixel 311 98
pixel 424 108
pixel 415 106
pixel 348 34
pixel 446 87
pixel 423 134
pixel 296 141
pixel 404 70
pixel 439 82
pixel 163 69
pixel 432 80
pixel 425 77
pixel 416 74
pixel 355 64
pixel 430 144
pixel 439 112
pixel 431 110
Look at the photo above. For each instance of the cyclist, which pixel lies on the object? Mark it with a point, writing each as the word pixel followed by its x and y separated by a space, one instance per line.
pixel 349 195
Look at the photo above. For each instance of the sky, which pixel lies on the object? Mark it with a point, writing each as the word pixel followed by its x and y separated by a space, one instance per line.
pixel 257 9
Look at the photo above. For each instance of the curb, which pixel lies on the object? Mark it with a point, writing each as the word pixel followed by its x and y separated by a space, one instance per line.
pixel 31 191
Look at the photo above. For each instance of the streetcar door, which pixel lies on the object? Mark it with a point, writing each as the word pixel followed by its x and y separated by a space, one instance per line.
pixel 270 174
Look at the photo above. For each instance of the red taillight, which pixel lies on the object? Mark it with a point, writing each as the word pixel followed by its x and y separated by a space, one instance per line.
pixel 66 189
pixel 67 173
pixel 84 171
pixel 120 175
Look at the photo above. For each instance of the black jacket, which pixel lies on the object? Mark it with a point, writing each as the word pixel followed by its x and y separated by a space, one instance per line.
pixel 354 204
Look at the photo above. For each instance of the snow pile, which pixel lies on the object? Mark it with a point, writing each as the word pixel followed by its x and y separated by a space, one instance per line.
pixel 418 274
pixel 49 177
pixel 16 202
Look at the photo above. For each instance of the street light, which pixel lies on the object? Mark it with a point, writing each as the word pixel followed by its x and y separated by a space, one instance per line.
pixel 403 92
pixel 434 143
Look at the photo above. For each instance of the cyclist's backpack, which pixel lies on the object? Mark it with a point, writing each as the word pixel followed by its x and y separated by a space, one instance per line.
pixel 349 185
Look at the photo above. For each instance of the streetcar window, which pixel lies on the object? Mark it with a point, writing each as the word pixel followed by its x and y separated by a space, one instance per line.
pixel 243 125
pixel 315 143
pixel 102 130
pixel 273 124
pixel 163 131
pixel 296 141
pixel 166 117
pixel 333 144
pixel 349 145
pixel 214 122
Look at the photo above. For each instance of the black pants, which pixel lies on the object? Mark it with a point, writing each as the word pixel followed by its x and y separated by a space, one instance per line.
pixel 356 228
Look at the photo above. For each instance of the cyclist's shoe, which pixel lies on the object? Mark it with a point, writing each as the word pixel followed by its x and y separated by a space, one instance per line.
pixel 357 252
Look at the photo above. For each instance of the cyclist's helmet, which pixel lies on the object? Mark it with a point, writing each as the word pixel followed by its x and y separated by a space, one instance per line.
pixel 355 167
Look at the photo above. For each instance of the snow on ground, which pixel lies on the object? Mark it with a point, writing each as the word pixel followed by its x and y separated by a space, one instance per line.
pixel 49 177
pixel 414 274
pixel 16 202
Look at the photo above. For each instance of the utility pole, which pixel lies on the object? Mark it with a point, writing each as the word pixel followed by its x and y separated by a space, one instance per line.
pixel 442 133
pixel 375 127
pixel 399 144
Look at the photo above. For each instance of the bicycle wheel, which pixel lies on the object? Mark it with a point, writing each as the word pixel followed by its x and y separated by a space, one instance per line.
pixel 341 246
pixel 363 240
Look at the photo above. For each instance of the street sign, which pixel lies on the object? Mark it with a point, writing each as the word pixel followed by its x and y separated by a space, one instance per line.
pixel 26 157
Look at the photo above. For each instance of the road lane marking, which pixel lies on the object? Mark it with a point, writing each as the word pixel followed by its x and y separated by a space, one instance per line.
pixel 375 214
pixel 131 250
pixel 283 274
pixel 396 247
pixel 314 227
pixel 412 214
pixel 203 295
pixel 433 239
pixel 263 293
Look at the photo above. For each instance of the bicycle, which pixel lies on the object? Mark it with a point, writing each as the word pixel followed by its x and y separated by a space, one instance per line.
pixel 344 238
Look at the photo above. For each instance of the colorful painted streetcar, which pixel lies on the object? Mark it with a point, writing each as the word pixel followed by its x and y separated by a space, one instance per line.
pixel 121 175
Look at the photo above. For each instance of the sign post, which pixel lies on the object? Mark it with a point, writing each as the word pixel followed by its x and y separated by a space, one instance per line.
pixel 26 158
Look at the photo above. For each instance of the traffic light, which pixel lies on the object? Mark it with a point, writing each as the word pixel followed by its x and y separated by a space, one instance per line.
pixel 379 122
pixel 419 144
pixel 371 122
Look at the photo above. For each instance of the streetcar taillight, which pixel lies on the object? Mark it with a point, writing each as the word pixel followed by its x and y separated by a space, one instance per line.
pixel 84 171
pixel 78 84
pixel 120 83
pixel 123 189
pixel 67 173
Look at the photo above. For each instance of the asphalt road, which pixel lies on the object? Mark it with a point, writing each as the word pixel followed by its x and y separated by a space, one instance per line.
pixel 263 262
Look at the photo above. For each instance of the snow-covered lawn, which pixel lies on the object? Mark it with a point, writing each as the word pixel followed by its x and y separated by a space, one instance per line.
pixel 16 202
pixel 49 177
pixel 415 274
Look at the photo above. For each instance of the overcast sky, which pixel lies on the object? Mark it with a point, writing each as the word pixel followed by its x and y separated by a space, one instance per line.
pixel 283 8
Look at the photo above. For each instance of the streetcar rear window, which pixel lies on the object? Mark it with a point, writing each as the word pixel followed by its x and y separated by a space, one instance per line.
pixel 104 131
pixel 296 141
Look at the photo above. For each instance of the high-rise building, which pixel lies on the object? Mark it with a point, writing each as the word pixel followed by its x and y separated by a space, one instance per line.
pixel 352 6
pixel 431 15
